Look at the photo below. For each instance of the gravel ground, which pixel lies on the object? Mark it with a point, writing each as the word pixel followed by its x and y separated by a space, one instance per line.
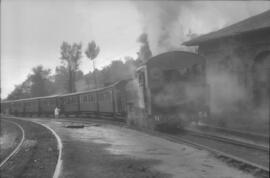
pixel 10 136
pixel 37 156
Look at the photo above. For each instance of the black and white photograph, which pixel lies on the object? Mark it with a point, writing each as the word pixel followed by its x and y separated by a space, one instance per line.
pixel 134 89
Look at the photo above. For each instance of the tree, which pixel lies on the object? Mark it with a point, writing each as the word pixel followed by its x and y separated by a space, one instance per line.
pixel 71 54
pixel 21 91
pixel 92 52
pixel 61 80
pixel 41 84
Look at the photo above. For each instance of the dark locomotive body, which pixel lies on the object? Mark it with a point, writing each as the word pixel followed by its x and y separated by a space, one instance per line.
pixel 169 90
pixel 173 89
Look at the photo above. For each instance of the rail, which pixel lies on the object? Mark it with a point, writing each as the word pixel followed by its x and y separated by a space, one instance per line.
pixel 17 147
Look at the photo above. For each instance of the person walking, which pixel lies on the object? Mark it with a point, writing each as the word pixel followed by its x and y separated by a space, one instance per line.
pixel 56 112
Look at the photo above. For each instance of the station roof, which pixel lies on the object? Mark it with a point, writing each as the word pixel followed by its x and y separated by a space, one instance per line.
pixel 252 24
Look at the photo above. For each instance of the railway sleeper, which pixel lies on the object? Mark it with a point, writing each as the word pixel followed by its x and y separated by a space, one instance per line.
pixel 257 172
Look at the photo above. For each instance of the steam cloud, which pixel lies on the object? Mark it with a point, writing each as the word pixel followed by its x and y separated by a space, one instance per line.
pixel 145 52
pixel 169 23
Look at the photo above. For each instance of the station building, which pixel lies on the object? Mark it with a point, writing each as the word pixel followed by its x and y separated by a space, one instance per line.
pixel 238 70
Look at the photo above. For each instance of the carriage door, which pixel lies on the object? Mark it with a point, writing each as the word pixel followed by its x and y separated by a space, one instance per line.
pixel 262 84
pixel 142 93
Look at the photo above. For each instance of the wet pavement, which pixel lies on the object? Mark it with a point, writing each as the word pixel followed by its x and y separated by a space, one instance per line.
pixel 100 150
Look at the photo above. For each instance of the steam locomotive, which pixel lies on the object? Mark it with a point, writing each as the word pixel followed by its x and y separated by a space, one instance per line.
pixel 168 90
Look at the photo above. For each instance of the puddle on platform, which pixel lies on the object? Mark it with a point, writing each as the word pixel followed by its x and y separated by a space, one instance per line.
pixel 7 141
pixel 74 126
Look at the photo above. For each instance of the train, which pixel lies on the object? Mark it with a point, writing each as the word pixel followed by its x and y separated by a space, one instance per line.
pixel 166 91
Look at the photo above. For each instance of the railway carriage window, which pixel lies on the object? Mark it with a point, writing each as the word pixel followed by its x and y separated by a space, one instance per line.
pixel 84 99
pixel 99 97
pixel 72 100
pixel 80 99
pixel 172 76
pixel 141 79
pixel 109 95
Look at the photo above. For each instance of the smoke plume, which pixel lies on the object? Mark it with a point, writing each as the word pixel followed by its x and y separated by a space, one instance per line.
pixel 145 53
pixel 170 23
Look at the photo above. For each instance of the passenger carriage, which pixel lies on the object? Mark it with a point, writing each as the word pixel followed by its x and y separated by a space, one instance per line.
pixel 107 101
pixel 31 106
pixel 47 105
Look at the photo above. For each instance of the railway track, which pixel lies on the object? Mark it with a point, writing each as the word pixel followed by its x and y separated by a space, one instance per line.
pixel 245 156
pixel 17 148
pixel 232 132
pixel 229 140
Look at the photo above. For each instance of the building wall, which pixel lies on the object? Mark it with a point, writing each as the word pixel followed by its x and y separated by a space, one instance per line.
pixel 238 71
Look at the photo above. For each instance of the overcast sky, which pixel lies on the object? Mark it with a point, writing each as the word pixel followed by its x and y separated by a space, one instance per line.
pixel 33 30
